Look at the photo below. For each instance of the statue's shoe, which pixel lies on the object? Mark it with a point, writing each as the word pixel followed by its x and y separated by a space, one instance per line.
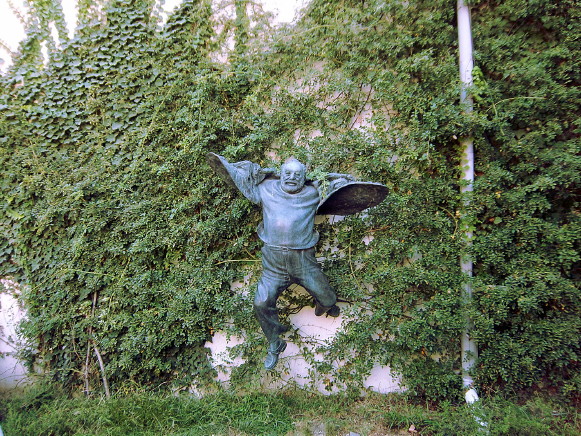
pixel 274 349
pixel 332 311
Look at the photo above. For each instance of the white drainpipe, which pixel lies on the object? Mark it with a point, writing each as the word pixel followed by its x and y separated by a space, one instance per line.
pixel 466 61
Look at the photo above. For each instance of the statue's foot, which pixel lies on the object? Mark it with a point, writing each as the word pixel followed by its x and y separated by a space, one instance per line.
pixel 274 349
pixel 332 311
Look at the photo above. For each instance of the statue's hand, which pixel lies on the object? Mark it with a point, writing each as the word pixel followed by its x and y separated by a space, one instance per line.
pixel 268 171
pixel 337 176
pixel 337 183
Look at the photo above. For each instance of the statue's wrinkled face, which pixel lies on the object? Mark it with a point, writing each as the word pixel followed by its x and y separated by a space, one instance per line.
pixel 292 176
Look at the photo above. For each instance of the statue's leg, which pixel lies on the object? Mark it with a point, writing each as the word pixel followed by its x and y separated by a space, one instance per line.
pixel 273 281
pixel 312 278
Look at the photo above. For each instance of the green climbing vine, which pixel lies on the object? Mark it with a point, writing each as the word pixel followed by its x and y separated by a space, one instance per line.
pixel 126 244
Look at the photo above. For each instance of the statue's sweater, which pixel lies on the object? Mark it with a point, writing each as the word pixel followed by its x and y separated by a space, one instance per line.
pixel 288 219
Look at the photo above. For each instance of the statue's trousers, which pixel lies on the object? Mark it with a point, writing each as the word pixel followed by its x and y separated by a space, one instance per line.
pixel 282 267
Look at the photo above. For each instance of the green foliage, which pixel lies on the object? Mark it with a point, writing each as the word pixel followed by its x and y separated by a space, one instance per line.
pixel 528 235
pixel 126 243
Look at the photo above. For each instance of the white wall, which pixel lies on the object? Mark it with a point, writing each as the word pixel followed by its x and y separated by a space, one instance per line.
pixel 12 372
pixel 292 367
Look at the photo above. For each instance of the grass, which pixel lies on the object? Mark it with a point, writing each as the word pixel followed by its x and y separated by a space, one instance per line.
pixel 45 411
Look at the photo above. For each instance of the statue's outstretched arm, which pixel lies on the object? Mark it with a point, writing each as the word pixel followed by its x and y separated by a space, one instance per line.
pixel 335 176
pixel 244 175
pixel 337 180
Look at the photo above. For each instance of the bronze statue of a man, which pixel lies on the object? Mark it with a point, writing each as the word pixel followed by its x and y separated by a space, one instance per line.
pixel 289 204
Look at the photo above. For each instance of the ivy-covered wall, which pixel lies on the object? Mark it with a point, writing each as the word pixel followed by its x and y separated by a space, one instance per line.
pixel 127 243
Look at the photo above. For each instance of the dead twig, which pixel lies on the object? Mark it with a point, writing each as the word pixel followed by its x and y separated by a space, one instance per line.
pixel 102 367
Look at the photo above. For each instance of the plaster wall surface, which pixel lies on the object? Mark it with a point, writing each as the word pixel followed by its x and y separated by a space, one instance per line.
pixel 293 368
pixel 12 372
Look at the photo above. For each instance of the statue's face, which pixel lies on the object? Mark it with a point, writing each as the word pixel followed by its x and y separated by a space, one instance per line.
pixel 292 177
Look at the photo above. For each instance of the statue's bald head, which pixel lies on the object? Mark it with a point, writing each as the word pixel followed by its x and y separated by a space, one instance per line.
pixel 294 162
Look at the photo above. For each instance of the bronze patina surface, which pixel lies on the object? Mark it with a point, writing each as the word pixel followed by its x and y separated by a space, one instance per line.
pixel 289 203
